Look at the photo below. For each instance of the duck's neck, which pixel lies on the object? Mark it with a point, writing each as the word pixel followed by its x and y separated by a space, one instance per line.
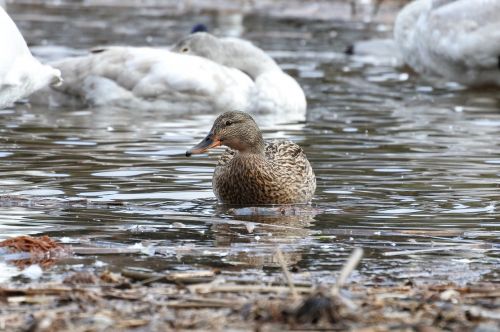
pixel 256 149
pixel 246 57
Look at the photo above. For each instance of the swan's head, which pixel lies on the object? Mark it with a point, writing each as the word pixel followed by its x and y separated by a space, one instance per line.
pixel 237 130
pixel 46 76
pixel 201 44
pixel 56 79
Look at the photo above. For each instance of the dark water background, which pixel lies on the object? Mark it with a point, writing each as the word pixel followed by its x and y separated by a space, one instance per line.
pixel 402 163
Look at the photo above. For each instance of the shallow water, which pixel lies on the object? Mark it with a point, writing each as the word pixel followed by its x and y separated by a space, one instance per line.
pixel 401 166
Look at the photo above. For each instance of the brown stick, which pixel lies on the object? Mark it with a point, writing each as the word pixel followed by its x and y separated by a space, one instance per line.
pixel 209 288
pixel 347 269
pixel 439 248
pixel 286 273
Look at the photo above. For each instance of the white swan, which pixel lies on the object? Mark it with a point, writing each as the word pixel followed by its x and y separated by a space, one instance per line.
pixel 147 78
pixel 274 91
pixel 240 77
pixel 20 73
pixel 458 40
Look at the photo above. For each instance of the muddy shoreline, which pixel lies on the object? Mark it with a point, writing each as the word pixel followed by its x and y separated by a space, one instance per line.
pixel 87 302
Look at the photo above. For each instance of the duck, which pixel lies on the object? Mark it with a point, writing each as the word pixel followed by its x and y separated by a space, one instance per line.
pixel 20 73
pixel 252 171
pixel 458 40
pixel 198 74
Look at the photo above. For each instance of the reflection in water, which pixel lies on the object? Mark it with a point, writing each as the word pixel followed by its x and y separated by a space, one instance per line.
pixel 402 164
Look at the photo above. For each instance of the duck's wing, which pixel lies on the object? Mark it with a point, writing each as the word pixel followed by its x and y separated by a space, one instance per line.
pixel 288 156
pixel 147 74
pixel 292 168
pixel 463 32
pixel 278 152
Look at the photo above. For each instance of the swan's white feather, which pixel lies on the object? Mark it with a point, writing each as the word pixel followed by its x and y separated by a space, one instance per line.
pixel 20 73
pixel 276 93
pixel 455 39
pixel 153 78
pixel 232 75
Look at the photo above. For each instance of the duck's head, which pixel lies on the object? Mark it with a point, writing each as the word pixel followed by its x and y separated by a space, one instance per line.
pixel 236 130
pixel 201 44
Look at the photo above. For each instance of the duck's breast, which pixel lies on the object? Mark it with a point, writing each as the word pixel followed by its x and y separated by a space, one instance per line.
pixel 284 176
pixel 243 179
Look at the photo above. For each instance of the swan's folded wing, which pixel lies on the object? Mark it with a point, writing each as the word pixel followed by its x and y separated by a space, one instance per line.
pixel 146 73
pixel 279 95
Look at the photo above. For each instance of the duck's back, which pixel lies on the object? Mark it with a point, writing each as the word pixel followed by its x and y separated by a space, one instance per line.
pixel 284 176
pixel 148 78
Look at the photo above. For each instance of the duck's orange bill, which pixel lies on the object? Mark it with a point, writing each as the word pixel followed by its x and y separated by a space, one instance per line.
pixel 211 141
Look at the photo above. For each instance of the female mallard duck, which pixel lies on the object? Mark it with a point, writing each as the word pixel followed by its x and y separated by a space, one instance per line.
pixel 254 172
pixel 20 73
pixel 200 73
pixel 458 40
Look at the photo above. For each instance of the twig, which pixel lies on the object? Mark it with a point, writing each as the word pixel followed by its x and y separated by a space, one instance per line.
pixel 196 302
pixel 286 273
pixel 347 269
pixel 190 277
pixel 103 251
pixel 443 248
pixel 139 275
pixel 209 288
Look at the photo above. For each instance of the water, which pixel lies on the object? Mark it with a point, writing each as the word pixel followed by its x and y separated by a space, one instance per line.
pixel 402 164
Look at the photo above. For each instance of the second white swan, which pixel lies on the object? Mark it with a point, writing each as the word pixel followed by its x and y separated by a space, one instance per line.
pixel 458 40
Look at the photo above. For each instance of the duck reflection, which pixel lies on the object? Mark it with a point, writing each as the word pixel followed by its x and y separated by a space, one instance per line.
pixel 255 233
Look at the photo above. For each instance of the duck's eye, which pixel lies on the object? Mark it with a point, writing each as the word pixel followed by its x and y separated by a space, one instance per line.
pixel 185 50
pixel 228 123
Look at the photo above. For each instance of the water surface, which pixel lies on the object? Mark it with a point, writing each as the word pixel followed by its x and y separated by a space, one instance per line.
pixel 402 163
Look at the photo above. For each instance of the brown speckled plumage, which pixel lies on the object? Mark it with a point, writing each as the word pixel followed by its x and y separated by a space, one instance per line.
pixel 275 173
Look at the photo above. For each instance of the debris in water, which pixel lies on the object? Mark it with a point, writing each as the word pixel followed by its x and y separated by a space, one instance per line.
pixel 41 250
pixel 33 272
pixel 196 300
